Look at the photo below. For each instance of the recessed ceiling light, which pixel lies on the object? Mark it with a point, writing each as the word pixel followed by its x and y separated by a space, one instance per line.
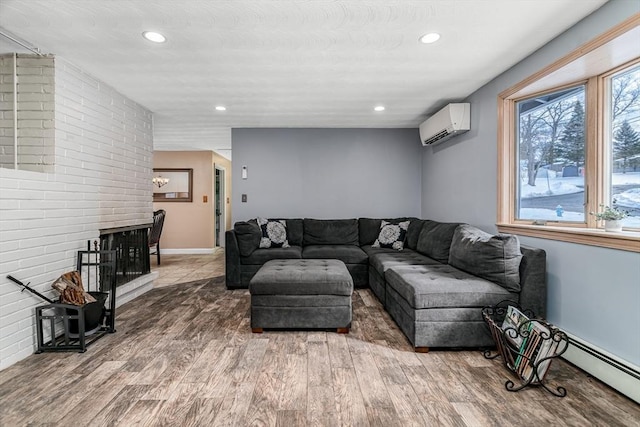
pixel 221 108
pixel 379 108
pixel 154 37
pixel 429 38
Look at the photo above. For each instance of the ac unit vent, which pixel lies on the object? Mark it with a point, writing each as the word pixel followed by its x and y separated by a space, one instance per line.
pixel 437 137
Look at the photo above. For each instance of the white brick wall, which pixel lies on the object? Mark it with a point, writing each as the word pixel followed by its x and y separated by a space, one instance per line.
pixel 36 113
pixel 35 86
pixel 7 143
pixel 101 179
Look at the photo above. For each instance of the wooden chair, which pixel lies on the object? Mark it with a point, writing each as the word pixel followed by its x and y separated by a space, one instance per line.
pixel 155 232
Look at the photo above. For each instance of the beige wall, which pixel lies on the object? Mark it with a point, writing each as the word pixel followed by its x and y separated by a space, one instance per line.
pixel 188 225
pixel 191 225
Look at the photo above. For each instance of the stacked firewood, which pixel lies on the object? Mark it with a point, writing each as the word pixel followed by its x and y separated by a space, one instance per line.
pixel 69 285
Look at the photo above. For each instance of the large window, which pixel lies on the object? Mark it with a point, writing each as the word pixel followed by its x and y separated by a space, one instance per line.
pixel 551 156
pixel 623 137
pixel 569 143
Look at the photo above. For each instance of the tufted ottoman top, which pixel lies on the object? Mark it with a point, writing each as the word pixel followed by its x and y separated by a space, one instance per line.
pixel 302 277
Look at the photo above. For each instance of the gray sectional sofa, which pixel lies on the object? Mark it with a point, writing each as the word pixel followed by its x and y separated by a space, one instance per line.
pixel 434 288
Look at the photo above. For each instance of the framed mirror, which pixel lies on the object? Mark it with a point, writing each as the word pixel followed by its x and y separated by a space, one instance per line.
pixel 172 185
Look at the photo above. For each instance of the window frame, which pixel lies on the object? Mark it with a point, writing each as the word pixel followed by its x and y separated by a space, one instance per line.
pixel 516 141
pixel 557 76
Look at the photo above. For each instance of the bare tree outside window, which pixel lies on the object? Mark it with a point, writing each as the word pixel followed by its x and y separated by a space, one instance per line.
pixel 551 154
pixel 624 138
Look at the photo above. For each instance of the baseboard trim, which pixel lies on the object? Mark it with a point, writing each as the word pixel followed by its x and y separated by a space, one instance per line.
pixel 188 251
pixel 617 373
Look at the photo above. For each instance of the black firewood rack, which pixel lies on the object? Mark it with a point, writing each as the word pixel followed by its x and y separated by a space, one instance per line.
pixel 72 327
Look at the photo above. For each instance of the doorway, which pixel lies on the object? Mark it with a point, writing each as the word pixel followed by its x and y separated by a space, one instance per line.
pixel 220 205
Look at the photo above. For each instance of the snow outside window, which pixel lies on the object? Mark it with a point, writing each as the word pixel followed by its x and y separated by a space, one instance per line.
pixel 551 156
pixel 622 137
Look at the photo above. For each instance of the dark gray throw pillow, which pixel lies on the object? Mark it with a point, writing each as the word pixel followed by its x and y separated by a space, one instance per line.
pixel 492 257
pixel 248 234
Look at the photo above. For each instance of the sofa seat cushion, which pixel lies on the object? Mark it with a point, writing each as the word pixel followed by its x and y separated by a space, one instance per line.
pixel 442 286
pixel 349 254
pixel 260 256
pixel 302 277
pixel 382 259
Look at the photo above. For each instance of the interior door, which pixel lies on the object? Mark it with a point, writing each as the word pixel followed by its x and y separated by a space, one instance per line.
pixel 218 205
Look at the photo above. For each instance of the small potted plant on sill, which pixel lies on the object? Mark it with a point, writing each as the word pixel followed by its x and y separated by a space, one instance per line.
pixel 612 217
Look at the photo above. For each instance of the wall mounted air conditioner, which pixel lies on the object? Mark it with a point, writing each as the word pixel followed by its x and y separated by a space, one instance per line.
pixel 452 120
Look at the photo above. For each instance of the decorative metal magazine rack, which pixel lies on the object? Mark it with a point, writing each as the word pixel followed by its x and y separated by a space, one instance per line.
pixel 526 345
pixel 74 327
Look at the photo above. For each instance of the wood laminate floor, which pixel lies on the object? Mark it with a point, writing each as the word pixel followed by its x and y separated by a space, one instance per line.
pixel 184 355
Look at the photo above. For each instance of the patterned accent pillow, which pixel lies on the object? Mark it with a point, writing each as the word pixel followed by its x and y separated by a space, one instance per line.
pixel 392 235
pixel 274 233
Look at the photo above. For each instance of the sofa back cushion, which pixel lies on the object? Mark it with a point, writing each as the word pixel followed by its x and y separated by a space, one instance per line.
pixel 330 232
pixel 492 257
pixel 413 233
pixel 368 230
pixel 435 238
pixel 248 234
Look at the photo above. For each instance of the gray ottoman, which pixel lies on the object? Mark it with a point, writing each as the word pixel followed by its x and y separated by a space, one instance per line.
pixel 301 294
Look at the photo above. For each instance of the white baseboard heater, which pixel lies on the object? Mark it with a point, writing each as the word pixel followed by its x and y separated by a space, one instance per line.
pixel 611 370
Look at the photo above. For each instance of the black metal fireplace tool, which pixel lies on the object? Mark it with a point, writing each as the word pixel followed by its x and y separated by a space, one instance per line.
pixel 33 291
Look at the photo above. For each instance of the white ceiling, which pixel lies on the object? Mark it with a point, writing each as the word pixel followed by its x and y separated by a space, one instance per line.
pixel 288 63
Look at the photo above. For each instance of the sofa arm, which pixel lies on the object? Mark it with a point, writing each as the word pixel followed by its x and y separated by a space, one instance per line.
pixel 232 260
pixel 533 280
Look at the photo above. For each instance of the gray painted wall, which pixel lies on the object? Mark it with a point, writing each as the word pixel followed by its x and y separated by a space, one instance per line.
pixel 326 173
pixel 594 293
